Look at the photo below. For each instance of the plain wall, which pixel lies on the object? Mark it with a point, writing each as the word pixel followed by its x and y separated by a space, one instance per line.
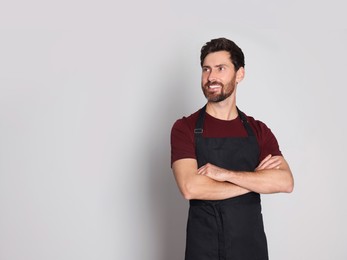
pixel 89 91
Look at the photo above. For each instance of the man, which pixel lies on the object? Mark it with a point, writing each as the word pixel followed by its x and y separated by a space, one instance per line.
pixel 222 160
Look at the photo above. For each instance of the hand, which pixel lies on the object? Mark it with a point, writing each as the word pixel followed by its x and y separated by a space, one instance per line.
pixel 214 172
pixel 269 162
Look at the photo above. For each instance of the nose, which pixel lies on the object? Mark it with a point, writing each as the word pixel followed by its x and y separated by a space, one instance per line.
pixel 212 76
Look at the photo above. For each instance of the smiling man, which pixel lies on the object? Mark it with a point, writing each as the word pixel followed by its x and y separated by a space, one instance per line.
pixel 223 160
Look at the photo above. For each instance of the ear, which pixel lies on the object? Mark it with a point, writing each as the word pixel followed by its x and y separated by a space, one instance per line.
pixel 240 74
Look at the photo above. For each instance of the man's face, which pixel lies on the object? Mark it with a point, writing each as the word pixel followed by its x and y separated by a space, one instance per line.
pixel 218 78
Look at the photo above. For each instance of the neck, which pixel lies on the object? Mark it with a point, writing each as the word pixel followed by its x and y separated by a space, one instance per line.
pixel 224 110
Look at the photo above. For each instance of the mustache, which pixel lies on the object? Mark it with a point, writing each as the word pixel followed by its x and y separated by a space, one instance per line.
pixel 209 83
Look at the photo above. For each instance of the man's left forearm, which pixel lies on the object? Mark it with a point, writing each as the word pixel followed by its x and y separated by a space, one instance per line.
pixel 271 176
pixel 263 181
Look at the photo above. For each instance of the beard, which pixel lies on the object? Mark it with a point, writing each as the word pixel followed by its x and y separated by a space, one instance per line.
pixel 226 91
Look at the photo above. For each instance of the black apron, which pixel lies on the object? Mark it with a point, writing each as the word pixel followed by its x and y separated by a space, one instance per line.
pixel 230 229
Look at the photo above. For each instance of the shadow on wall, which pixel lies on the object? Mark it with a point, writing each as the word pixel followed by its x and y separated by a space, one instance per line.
pixel 168 208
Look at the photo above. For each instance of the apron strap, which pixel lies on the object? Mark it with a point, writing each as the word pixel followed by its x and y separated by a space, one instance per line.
pixel 199 126
pixel 244 120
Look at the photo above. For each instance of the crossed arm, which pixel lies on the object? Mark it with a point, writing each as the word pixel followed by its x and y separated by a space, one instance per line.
pixel 214 183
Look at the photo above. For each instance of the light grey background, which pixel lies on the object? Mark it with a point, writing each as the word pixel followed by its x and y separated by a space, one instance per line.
pixel 89 91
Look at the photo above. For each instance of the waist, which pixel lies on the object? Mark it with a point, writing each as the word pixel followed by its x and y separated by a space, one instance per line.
pixel 248 198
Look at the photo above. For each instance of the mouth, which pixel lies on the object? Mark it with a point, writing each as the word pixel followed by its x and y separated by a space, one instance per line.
pixel 213 86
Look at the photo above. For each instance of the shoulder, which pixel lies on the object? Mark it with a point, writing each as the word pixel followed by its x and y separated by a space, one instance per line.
pixel 258 126
pixel 186 123
pixel 266 138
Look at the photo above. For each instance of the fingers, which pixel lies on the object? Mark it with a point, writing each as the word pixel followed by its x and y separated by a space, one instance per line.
pixel 203 170
pixel 264 161
pixel 213 172
pixel 269 163
pixel 273 164
pixel 208 169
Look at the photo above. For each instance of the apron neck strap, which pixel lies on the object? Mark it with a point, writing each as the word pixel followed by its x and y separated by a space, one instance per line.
pixel 245 122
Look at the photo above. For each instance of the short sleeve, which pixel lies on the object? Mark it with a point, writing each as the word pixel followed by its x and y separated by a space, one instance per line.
pixel 267 141
pixel 182 141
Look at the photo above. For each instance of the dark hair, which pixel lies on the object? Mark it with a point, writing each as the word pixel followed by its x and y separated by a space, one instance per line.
pixel 223 44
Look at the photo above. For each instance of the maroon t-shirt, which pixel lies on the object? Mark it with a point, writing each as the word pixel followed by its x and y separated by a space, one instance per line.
pixel 183 140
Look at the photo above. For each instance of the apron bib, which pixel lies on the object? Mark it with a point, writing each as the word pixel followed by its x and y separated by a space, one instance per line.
pixel 230 229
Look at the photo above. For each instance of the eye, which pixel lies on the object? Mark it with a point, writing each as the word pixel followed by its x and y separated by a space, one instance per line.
pixel 221 68
pixel 205 69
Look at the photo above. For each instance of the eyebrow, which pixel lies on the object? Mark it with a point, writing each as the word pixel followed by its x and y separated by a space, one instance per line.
pixel 216 66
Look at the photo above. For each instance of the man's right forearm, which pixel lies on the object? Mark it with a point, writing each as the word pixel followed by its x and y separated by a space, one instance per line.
pixel 207 189
pixel 195 186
